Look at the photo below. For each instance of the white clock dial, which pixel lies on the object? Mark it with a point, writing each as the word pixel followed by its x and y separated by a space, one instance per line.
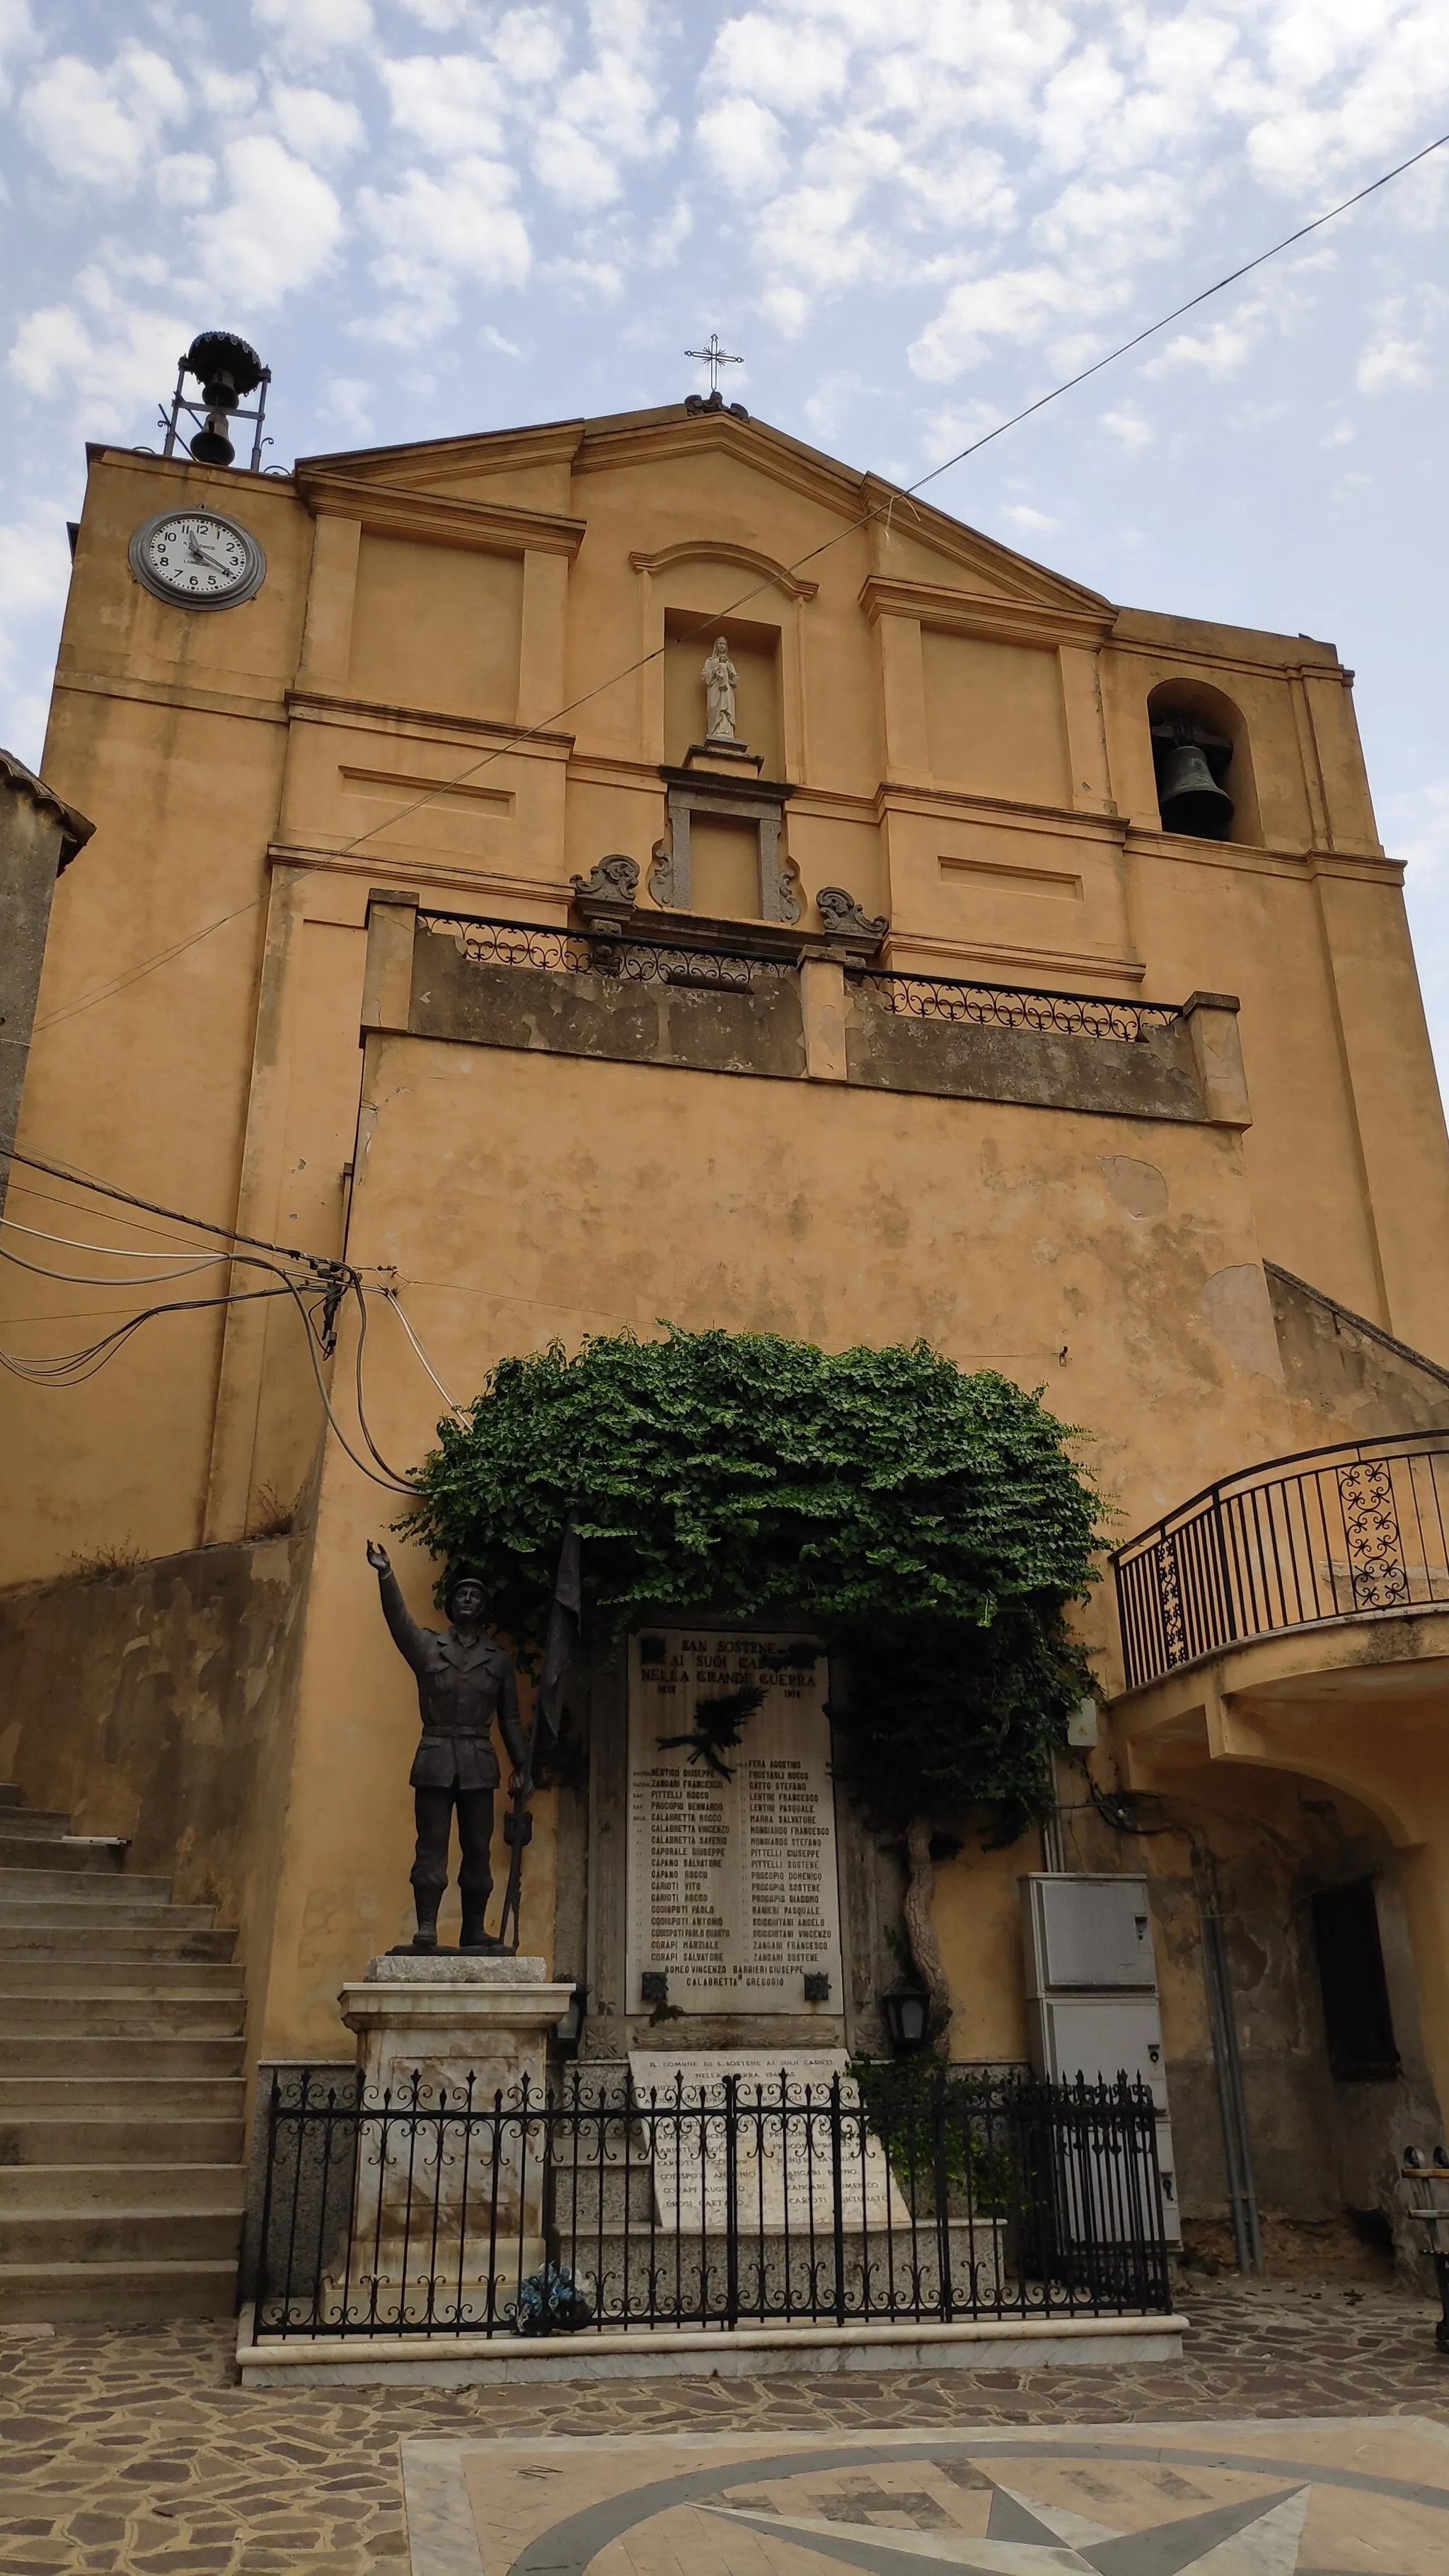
pixel 197 559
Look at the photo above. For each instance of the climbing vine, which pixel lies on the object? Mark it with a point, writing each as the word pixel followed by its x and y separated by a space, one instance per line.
pixel 932 1523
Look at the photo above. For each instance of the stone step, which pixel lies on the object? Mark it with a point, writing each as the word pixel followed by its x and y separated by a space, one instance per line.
pixel 32 1824
pixel 84 2190
pixel 88 1900
pixel 38 1976
pixel 154 1938
pixel 43 2053
pixel 189 2132
pixel 174 2235
pixel 60 1887
pixel 119 2012
pixel 135 2096
pixel 125 2293
pixel 17 1851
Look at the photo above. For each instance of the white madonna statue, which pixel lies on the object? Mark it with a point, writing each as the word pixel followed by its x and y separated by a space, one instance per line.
pixel 720 681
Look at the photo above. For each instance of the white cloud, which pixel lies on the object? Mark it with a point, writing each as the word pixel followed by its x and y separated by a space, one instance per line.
pixel 278 232
pixel 1391 362
pixel 1219 349
pixel 349 403
pixel 109 356
pixel 185 179
pixel 744 144
pixel 1016 304
pixel 17 38
pixel 435 233
pixel 34 562
pixel 1031 522
pixel 321 128
pixel 1129 425
pixel 448 103
pixel 306 28
pixel 789 60
pixel 102 126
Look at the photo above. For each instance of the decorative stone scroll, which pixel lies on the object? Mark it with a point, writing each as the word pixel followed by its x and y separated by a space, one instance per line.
pixel 610 892
pixel 846 924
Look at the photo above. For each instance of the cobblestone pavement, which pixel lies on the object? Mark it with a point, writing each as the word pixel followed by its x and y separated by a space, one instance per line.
pixel 134 2450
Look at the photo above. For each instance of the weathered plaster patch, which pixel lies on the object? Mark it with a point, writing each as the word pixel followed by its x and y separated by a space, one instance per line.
pixel 1138 1187
pixel 1235 1308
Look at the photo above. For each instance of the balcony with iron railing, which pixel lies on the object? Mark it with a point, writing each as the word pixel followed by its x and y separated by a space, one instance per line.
pixel 1352 1533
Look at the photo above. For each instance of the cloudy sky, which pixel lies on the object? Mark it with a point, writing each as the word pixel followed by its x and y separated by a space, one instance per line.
pixel 437 215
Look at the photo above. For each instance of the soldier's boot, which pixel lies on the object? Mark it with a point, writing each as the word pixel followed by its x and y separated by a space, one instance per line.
pixel 426 1935
pixel 475 1935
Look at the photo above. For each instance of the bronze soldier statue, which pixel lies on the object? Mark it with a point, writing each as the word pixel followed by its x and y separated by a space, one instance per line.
pixel 465 1680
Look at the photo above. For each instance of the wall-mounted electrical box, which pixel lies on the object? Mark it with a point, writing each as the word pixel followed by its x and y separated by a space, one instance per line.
pixel 1091 1987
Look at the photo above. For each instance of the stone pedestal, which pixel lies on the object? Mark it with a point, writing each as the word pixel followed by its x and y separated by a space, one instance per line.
pixel 448 2197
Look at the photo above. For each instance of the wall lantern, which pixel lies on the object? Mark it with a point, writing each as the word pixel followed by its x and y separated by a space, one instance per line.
pixel 569 2031
pixel 905 2009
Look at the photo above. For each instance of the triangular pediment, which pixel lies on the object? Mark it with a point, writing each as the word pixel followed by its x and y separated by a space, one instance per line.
pixel 541 472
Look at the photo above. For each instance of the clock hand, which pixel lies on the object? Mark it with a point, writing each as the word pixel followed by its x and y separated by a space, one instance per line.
pixel 201 556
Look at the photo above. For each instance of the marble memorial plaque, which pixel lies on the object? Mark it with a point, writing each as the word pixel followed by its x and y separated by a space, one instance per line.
pixel 783 2157
pixel 732 1892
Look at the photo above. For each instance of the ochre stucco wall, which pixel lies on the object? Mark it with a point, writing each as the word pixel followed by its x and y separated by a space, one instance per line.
pixel 966 737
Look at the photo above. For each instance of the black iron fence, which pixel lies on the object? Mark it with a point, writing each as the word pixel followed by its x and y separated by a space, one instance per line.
pixel 625 955
pixel 1006 1006
pixel 590 2207
pixel 1328 1534
pixel 633 956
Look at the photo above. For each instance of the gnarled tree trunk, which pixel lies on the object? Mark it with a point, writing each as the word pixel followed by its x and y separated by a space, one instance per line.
pixel 920 1929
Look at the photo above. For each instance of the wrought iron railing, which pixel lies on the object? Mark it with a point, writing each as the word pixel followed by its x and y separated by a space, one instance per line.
pixel 636 958
pixel 633 960
pixel 1328 1534
pixel 1003 1006
pixel 589 2207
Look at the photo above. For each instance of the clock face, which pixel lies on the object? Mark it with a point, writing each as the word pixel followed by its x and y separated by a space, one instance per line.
pixel 197 559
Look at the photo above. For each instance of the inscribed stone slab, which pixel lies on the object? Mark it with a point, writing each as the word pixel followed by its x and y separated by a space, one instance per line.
pixel 783 2164
pixel 732 1890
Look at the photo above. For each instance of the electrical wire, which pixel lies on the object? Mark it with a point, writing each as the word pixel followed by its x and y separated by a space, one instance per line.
pixel 20 1188
pixel 390 1297
pixel 112 1251
pixel 87 1279
pixel 316 1261
pixel 443 786
pixel 163 957
pixel 74 1368
pixel 329 1281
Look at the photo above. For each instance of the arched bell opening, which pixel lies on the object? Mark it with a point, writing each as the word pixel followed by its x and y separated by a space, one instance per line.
pixel 1202 762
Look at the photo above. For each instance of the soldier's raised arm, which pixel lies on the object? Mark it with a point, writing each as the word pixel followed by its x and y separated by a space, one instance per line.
pixel 409 1639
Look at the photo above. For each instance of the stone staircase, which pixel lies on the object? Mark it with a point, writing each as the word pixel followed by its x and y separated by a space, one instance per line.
pixel 121 2083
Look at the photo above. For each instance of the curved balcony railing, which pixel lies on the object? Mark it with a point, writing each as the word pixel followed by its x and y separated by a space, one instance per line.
pixel 1329 1534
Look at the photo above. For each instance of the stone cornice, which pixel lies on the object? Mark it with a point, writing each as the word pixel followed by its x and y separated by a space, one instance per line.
pixel 1008 621
pixel 724 550
pixel 325 706
pixel 396 510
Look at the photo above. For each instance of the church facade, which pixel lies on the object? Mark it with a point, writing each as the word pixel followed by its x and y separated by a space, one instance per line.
pixel 642 870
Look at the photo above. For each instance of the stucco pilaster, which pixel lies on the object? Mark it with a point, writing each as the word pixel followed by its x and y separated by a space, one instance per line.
pixel 541 688
pixel 331 591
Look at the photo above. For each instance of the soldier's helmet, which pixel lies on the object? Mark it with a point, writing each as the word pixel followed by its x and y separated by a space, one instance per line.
pixel 459 1574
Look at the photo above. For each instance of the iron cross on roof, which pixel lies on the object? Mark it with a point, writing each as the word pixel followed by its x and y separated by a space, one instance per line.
pixel 714 357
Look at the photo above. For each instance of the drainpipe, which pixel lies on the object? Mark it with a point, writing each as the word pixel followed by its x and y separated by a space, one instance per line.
pixel 1228 2068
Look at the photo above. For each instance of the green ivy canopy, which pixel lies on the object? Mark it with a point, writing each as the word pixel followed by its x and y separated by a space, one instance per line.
pixel 931 1522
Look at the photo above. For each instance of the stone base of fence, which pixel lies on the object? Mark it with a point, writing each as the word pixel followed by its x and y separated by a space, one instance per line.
pixel 745 2352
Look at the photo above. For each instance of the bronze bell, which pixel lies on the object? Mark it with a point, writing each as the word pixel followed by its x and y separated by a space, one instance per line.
pixel 1189 797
